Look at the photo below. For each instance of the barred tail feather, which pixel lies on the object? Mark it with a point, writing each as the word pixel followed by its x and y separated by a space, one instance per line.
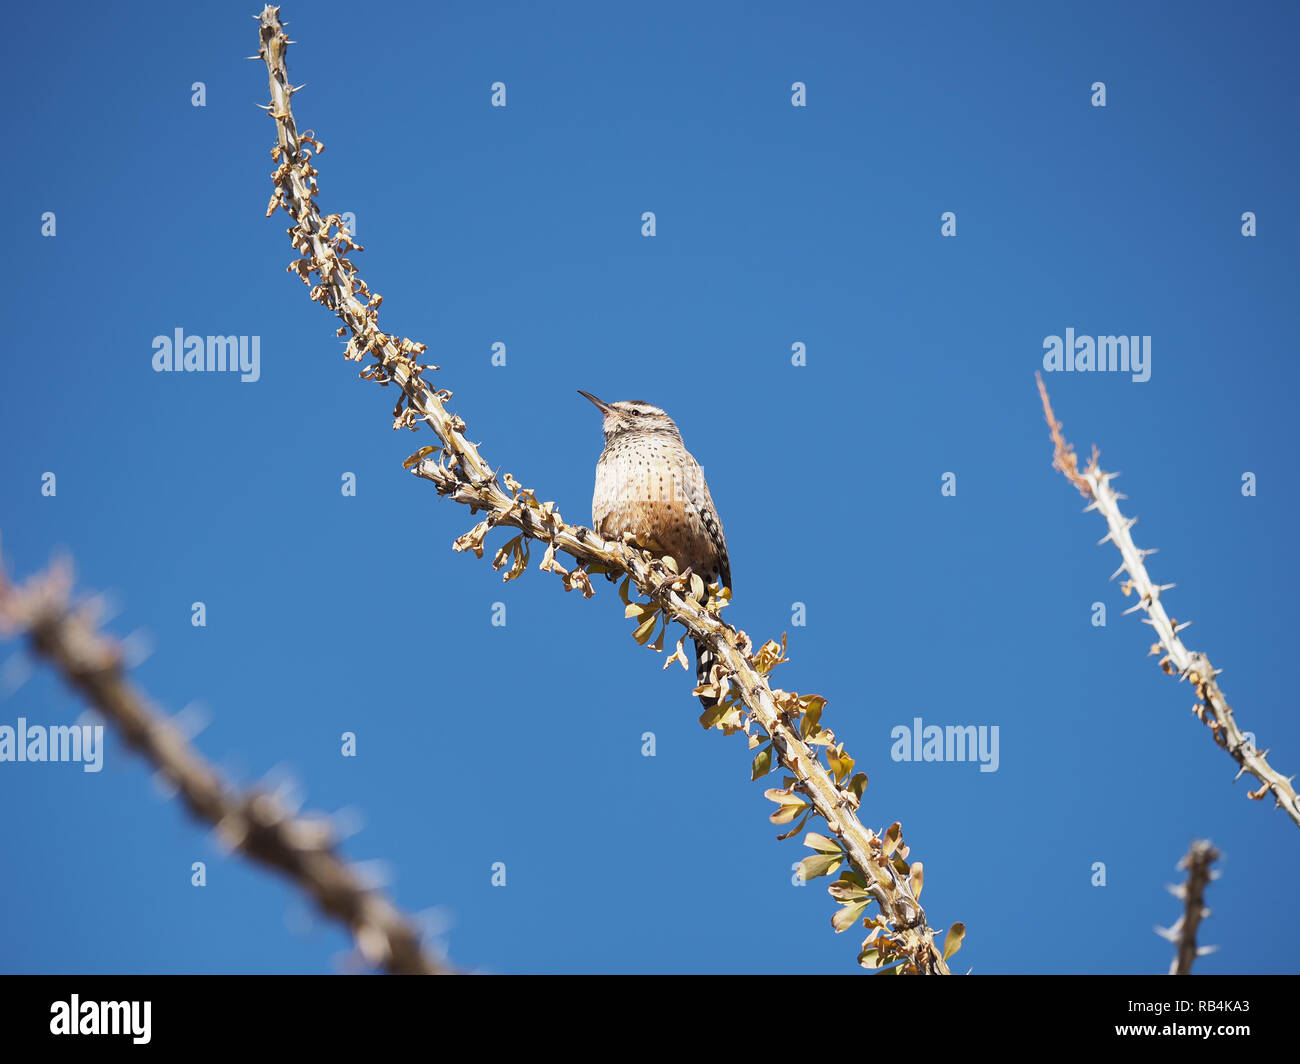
pixel 704 661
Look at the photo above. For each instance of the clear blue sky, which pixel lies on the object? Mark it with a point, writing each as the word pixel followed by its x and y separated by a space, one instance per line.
pixel 775 225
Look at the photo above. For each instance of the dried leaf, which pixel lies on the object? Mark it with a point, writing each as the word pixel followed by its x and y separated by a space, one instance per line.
pixel 507 549
pixel 711 716
pixel 840 762
pixel 848 888
pixel 953 940
pixel 847 917
pixel 788 812
pixel 473 539
pixel 821 843
pixel 645 629
pixel 798 827
pixel 812 706
pixel 419 456
pixel 769 656
pixel 819 864
pixel 678 655
pixel 658 644
pixel 775 794
pixel 521 554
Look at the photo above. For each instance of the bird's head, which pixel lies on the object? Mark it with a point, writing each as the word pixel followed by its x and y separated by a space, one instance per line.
pixel 631 415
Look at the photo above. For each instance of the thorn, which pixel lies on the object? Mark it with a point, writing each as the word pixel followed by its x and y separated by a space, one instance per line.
pixel 1103 539
pixel 1149 550
pixel 1133 609
pixel 1119 570
pixel 1179 627
pixel 1205 951
pixel 1165 587
pixel 1130 523
pixel 1090 507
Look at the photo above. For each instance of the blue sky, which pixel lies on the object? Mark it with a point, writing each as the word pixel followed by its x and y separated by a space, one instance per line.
pixel 775 225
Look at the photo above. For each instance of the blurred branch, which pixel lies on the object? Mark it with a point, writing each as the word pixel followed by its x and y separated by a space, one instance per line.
pixel 1212 709
pixel 255 823
pixel 744 700
pixel 1192 893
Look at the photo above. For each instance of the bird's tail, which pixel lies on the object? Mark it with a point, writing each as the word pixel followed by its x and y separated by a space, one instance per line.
pixel 705 659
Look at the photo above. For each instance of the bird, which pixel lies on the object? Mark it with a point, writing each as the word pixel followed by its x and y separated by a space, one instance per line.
pixel 648 484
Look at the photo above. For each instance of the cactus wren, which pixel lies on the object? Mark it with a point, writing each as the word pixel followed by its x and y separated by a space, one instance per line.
pixel 648 484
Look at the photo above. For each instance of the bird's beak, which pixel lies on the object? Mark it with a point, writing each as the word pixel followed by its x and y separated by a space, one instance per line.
pixel 603 406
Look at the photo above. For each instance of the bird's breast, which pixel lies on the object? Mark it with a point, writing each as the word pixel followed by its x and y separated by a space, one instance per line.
pixel 648 487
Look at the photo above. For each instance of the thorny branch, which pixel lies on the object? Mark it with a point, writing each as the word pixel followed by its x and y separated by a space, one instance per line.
pixel 256 823
pixel 1212 708
pixel 879 870
pixel 1197 862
